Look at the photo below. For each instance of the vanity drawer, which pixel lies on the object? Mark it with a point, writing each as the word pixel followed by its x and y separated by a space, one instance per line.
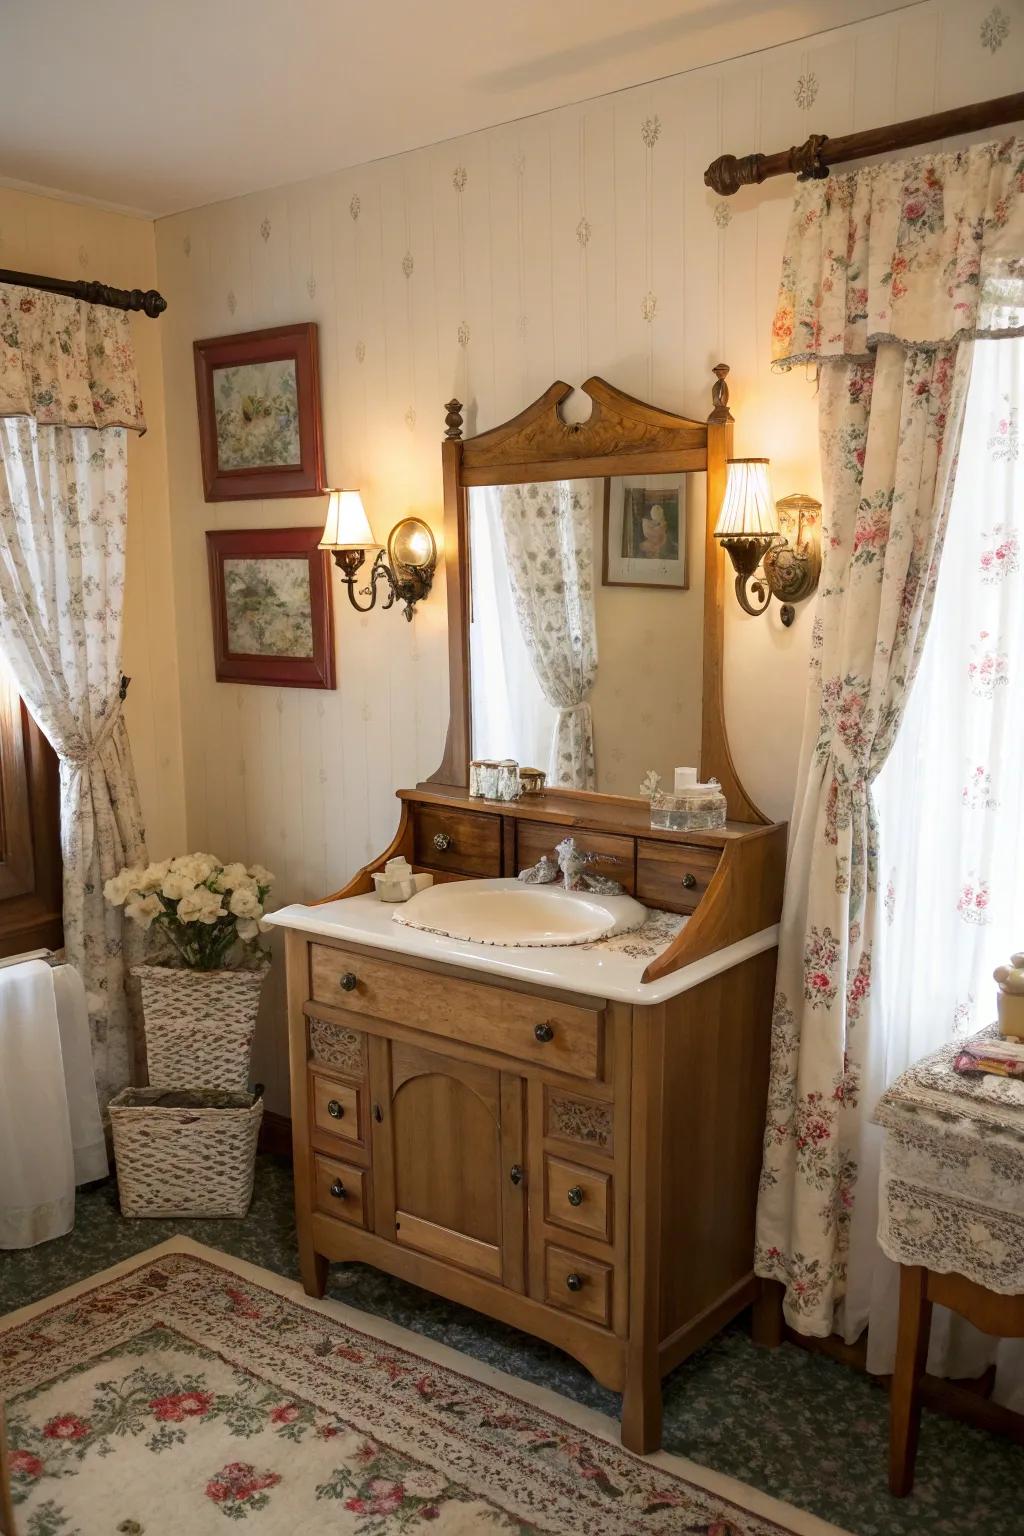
pixel 467 841
pixel 333 1045
pixel 340 1190
pixel 535 838
pixel 564 1037
pixel 578 1198
pixel 673 877
pixel 578 1284
pixel 336 1108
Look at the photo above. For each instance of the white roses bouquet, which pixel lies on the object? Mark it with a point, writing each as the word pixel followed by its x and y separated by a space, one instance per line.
pixel 203 906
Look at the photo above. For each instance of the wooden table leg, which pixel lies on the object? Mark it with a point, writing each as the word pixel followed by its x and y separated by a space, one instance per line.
pixel 766 1318
pixel 905 1395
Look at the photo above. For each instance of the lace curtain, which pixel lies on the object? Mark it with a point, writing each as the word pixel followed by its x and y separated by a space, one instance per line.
pixel 548 534
pixel 68 393
pixel 888 275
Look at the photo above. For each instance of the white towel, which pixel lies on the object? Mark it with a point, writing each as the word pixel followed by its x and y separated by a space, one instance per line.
pixel 49 1117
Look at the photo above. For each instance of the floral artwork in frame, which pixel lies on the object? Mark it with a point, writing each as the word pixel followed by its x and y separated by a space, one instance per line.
pixel 260 432
pixel 270 591
pixel 645 529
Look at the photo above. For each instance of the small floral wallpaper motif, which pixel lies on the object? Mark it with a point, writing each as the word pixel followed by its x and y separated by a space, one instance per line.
pixel 523 325
pixel 264 230
pixel 354 206
pixel 408 264
pixel 83 256
pixel 232 301
pixel 360 351
pixel 650 130
pixel 805 92
pixel 410 419
pixel 995 29
pixel 463 334
pixel 723 214
pixel 584 230
pixel 649 306
pixel 311 286
pixel 459 177
pixel 186 245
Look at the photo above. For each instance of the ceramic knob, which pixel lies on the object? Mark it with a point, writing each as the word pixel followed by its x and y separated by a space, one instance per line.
pixel 442 842
pixel 338 1190
pixel 689 881
pixel 334 1109
pixel 543 1033
pixel 348 982
pixel 515 1173
pixel 574 1282
pixel 576 1195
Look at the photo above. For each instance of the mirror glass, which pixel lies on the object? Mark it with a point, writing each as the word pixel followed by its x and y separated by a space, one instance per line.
pixel 586 623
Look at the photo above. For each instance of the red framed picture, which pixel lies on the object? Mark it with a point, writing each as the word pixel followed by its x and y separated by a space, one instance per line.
pixel 270 590
pixel 260 432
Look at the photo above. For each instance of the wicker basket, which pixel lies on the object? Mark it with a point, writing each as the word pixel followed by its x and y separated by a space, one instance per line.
pixel 185 1153
pixel 199 1025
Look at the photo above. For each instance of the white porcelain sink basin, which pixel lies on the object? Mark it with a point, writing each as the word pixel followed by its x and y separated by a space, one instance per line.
pixel 522 916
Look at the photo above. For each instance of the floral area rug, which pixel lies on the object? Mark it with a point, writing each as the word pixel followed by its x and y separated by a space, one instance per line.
pixel 185 1389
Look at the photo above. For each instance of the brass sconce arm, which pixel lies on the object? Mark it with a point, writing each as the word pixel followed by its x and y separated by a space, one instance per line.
pixel 769 565
pixel 408 585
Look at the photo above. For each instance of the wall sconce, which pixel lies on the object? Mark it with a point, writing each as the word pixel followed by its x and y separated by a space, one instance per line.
pixel 749 528
pixel 408 567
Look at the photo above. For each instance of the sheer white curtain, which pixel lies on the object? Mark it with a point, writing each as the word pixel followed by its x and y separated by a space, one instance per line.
pixel 950 805
pixel 511 716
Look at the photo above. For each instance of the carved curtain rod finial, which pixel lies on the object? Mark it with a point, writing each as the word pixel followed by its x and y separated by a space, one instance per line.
pixel 728 173
pixel 720 395
pixel 453 420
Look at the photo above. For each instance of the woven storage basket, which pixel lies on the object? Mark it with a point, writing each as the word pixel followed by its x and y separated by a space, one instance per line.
pixel 199 1025
pixel 185 1153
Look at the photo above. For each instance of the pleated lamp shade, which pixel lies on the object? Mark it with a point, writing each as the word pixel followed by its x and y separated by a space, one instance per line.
pixel 347 525
pixel 748 509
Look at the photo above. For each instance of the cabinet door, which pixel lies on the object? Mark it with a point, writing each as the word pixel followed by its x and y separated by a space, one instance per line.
pixel 447 1159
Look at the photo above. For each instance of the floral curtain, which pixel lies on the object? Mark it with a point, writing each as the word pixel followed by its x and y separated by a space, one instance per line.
pixel 67 394
pixel 548 532
pixel 888 274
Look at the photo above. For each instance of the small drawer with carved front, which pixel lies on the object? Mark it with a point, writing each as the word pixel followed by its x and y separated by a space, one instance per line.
pixel 578 1284
pixel 468 842
pixel 340 1190
pixel 673 877
pixel 578 1198
pixel 336 1046
pixel 337 1108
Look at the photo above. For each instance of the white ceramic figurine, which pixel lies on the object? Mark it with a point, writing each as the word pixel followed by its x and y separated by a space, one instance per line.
pixel 1011 996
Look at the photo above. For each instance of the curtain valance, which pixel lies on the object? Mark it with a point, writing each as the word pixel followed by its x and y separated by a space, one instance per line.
pixel 920 252
pixel 65 363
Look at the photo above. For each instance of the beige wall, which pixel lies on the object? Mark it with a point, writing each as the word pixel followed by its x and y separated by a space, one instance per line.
pixel 61 239
pixel 582 241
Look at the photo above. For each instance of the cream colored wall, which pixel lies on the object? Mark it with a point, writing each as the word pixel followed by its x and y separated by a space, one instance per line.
pixel 63 239
pixel 582 241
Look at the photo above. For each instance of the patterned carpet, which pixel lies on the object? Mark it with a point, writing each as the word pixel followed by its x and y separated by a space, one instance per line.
pixel 797 1426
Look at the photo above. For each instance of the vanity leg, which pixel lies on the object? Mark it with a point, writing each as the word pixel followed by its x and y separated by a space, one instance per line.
pixel 313 1270
pixel 641 1405
pixel 766 1320
pixel 905 1392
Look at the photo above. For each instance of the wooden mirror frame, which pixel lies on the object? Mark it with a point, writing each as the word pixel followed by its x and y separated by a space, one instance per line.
pixel 621 436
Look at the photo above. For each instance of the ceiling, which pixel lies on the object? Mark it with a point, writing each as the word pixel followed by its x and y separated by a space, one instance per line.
pixel 155 106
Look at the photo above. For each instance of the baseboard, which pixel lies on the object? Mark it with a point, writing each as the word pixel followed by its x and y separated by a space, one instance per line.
pixel 276 1134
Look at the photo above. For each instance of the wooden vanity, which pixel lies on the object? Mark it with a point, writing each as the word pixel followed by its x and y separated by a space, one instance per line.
pixel 567 1141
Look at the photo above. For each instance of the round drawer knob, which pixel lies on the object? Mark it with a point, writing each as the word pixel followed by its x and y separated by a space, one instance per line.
pixel 576 1195
pixel 338 1190
pixel 515 1173
pixel 442 842
pixel 348 982
pixel 543 1033
pixel 689 881
pixel 334 1109
pixel 574 1282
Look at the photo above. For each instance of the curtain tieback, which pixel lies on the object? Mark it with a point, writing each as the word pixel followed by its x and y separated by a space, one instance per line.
pixel 79 753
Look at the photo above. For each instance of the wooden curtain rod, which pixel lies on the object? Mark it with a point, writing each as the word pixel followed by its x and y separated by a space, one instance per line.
pixel 811 160
pixel 151 303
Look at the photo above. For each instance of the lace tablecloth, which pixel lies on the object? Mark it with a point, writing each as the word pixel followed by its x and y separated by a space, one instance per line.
pixel 952 1178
